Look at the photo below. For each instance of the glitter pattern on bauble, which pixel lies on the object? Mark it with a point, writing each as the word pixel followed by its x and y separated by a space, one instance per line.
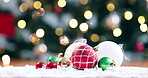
pixel 83 57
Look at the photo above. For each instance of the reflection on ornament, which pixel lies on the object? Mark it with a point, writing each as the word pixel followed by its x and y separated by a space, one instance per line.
pixel 64 62
pixel 64 40
pixel 106 62
pixel 52 59
pixel 40 12
pixel 39 65
pixel 74 45
pixel 83 57
pixel 60 55
pixel 110 49
pixel 51 65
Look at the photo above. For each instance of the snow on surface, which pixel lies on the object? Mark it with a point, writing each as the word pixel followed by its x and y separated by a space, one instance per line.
pixel 30 71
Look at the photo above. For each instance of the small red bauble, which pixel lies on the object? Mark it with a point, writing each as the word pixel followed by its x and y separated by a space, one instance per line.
pixel 51 65
pixel 39 65
pixel 84 57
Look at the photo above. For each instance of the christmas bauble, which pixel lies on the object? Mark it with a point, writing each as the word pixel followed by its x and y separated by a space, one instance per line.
pixel 74 45
pixel 105 62
pixel 52 59
pixel 83 57
pixel 51 65
pixel 64 62
pixel 110 49
pixel 39 65
pixel 139 47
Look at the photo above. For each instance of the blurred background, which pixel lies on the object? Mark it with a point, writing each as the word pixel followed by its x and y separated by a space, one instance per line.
pixel 37 29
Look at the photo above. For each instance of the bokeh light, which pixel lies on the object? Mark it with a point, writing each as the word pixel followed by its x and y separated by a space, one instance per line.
pixel 6 1
pixel 59 31
pixel 117 32
pixel 88 14
pixel 6 60
pixel 2 50
pixel 34 39
pixel 128 15
pixel 143 27
pixel 40 12
pixel 42 48
pixel 73 23
pixel 83 27
pixel 141 19
pixel 62 3
pixel 64 40
pixel 110 7
pixel 23 7
pixel 94 37
pixel 37 4
pixel 21 24
pixel 48 7
pixel 40 33
pixel 83 2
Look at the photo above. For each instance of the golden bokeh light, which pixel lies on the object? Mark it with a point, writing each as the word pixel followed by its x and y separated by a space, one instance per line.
pixel 141 19
pixel 59 31
pixel 39 12
pixel 6 60
pixel 143 27
pixel 21 24
pixel 83 27
pixel 64 40
pixel 23 7
pixel 94 37
pixel 34 39
pixel 62 3
pixel 83 2
pixel 128 15
pixel 42 48
pixel 48 7
pixel 73 23
pixel 40 33
pixel 117 32
pixel 88 14
pixel 37 4
pixel 110 7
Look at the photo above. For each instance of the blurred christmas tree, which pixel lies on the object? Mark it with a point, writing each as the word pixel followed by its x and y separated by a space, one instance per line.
pixel 51 25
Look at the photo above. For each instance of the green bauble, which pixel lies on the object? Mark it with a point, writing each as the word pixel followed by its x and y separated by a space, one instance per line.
pixel 52 59
pixel 106 62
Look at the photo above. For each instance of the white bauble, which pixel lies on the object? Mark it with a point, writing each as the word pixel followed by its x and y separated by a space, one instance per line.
pixel 75 44
pixel 110 49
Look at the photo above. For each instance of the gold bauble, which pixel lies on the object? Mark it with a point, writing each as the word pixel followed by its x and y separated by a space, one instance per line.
pixel 64 62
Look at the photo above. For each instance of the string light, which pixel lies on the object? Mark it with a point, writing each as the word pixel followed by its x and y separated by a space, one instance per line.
pixel 40 33
pixel 21 24
pixel 117 32
pixel 88 14
pixel 128 15
pixel 143 27
pixel 37 4
pixel 110 7
pixel 59 31
pixel 141 19
pixel 73 23
pixel 83 27
pixel 6 60
pixel 23 7
pixel 83 2
pixel 62 3
pixel 94 37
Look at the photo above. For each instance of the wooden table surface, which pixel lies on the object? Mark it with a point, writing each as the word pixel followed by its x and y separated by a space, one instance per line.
pixel 137 63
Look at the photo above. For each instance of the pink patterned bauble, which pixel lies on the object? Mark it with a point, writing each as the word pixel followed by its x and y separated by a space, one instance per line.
pixel 83 57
